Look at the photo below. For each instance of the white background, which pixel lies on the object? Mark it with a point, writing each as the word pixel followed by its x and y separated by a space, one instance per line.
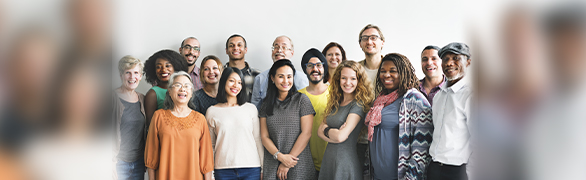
pixel 142 28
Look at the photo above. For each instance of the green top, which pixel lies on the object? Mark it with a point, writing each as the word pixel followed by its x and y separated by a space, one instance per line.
pixel 160 96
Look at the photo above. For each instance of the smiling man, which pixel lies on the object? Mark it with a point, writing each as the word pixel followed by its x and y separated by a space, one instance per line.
pixel 190 50
pixel 236 49
pixel 315 66
pixel 450 149
pixel 431 66
pixel 282 49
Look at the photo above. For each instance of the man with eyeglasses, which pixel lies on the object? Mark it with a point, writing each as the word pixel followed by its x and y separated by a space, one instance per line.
pixel 282 49
pixel 236 49
pixel 190 50
pixel 371 41
pixel 314 65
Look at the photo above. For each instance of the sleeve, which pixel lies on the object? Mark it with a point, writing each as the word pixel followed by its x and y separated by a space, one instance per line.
pixel 211 126
pixel 422 126
pixel 301 80
pixel 153 148
pixel 357 109
pixel 256 89
pixel 206 155
pixel 305 107
pixel 256 133
pixel 262 112
pixel 471 130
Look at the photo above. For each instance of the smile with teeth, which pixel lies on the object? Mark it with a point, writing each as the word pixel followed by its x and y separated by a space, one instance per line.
pixel 234 90
pixel 165 74
pixel 388 81
pixel 131 82
pixel 182 95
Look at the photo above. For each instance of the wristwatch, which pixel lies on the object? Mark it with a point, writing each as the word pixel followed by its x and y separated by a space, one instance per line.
pixel 326 132
pixel 275 155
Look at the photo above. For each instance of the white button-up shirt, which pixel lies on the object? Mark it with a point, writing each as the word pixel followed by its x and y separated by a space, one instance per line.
pixel 451 121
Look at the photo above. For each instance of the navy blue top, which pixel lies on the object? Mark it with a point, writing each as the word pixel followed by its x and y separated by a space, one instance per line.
pixel 202 101
pixel 384 148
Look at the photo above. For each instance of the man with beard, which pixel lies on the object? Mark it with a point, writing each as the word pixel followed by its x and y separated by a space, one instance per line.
pixel 236 49
pixel 282 49
pixel 450 149
pixel 190 50
pixel 431 66
pixel 315 67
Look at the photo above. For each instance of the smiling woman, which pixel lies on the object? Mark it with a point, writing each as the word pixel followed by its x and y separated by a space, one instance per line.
pixel 176 132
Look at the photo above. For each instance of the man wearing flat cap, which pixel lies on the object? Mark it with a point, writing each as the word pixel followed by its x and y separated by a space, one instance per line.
pixel 450 149
pixel 315 67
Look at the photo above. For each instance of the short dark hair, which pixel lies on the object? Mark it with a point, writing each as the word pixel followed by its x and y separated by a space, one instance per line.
pixel 430 47
pixel 270 101
pixel 178 62
pixel 221 97
pixel 183 42
pixel 235 35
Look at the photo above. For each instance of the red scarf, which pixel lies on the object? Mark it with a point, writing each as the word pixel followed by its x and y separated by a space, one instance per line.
pixel 373 118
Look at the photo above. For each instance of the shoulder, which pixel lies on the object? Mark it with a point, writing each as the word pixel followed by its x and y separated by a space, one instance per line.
pixel 160 112
pixel 303 91
pixel 413 94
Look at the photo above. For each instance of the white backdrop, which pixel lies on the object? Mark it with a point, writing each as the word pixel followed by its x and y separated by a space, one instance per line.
pixel 143 27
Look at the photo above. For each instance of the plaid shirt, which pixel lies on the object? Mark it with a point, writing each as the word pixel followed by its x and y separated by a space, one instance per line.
pixel 433 90
pixel 195 78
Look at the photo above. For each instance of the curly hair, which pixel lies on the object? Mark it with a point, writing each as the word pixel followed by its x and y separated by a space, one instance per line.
pixel 363 92
pixel 407 77
pixel 150 69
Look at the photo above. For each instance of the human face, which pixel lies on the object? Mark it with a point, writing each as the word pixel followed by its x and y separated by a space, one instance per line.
pixel 233 85
pixel 315 73
pixel 181 90
pixel 131 77
pixel 389 75
pixel 236 48
pixel 348 80
pixel 455 66
pixel 188 52
pixel 334 57
pixel 164 69
pixel 211 72
pixel 369 46
pixel 431 63
pixel 283 79
pixel 282 49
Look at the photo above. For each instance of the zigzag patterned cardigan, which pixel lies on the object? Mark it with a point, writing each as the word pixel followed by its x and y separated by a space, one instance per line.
pixel 415 135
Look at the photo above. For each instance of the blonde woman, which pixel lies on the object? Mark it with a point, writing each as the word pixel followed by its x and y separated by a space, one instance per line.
pixel 349 99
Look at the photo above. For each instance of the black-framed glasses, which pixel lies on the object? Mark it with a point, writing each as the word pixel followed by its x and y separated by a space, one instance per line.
pixel 195 48
pixel 371 37
pixel 187 86
pixel 311 65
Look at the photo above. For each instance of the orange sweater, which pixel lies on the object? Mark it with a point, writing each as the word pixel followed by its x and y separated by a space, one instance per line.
pixel 179 148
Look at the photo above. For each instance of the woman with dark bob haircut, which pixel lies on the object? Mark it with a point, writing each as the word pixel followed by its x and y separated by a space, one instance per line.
pixel 235 130
pixel 400 109
pixel 158 69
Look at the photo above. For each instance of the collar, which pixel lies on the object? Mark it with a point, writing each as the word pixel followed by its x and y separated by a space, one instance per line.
pixel 195 70
pixel 438 86
pixel 246 67
pixel 458 86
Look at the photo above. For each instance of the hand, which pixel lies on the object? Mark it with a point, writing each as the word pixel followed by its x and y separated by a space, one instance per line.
pixel 282 172
pixel 343 126
pixel 287 160
pixel 260 176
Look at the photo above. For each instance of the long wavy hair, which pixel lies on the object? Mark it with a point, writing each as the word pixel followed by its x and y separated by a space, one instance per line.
pixel 407 77
pixel 363 93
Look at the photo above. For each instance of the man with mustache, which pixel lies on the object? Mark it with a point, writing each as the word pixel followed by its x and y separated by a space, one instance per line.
pixel 236 49
pixel 315 66
pixel 282 49
pixel 450 149
pixel 190 50
pixel 434 78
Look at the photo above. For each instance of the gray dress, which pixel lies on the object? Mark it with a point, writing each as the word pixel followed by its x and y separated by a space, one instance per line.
pixel 340 159
pixel 284 127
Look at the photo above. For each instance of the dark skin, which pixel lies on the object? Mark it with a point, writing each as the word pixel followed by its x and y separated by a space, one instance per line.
pixel 163 66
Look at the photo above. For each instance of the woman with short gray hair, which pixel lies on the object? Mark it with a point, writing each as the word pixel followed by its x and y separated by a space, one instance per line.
pixel 178 144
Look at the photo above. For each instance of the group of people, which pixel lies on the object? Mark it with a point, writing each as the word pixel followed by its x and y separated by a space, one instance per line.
pixel 335 119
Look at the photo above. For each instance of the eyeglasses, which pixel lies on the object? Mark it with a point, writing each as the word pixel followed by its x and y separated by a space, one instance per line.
pixel 179 86
pixel 311 65
pixel 284 48
pixel 195 48
pixel 371 37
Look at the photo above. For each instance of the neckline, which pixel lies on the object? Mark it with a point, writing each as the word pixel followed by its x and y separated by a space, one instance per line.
pixel 190 112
